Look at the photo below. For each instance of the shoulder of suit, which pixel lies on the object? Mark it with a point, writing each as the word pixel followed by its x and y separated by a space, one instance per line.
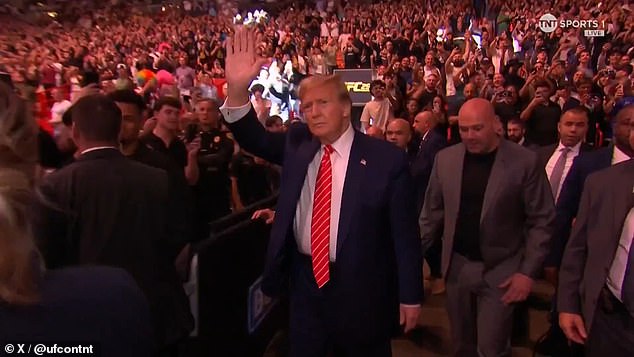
pixel 297 133
pixel 591 155
pixel 450 152
pixel 518 152
pixel 604 178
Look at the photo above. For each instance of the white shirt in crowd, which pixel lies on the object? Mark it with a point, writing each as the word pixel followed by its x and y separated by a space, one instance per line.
pixel 303 213
pixel 58 110
pixel 619 156
pixel 574 152
pixel 451 87
pixel 377 113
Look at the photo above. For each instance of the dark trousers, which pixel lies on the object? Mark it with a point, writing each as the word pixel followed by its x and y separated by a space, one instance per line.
pixel 433 258
pixel 312 327
pixel 556 343
pixel 612 332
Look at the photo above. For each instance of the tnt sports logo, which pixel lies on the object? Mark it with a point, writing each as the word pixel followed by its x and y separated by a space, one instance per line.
pixel 591 28
pixel 548 23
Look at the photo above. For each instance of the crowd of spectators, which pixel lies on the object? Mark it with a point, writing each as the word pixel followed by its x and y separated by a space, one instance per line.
pixel 430 54
pixel 429 57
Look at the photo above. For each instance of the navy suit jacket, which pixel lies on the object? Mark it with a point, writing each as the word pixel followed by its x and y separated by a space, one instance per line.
pixel 84 305
pixel 423 162
pixel 570 196
pixel 378 246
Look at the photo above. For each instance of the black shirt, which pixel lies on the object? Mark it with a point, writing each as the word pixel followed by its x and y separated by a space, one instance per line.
pixel 176 150
pixel 542 125
pixel 475 176
pixel 426 98
pixel 254 179
pixel 213 189
pixel 180 194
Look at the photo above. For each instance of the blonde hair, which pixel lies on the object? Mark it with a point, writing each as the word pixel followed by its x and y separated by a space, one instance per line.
pixel 319 80
pixel 18 133
pixel 20 261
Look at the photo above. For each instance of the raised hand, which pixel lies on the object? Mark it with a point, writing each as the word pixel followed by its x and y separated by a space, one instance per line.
pixel 242 65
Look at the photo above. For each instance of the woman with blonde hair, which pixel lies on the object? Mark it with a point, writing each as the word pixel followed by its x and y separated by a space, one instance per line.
pixel 85 305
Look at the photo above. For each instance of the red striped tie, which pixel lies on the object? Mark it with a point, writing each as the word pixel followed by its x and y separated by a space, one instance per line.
pixel 320 224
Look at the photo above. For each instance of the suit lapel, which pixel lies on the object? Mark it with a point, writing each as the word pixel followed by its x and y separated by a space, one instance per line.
pixel 292 190
pixel 454 181
pixel 355 174
pixel 623 195
pixel 495 179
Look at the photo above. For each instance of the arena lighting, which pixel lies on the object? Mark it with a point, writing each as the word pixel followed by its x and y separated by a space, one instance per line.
pixel 256 17
pixel 440 35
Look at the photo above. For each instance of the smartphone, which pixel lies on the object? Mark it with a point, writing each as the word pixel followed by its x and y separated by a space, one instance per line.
pixel 190 133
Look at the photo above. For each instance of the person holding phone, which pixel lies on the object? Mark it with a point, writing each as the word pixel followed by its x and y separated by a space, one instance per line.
pixel 541 116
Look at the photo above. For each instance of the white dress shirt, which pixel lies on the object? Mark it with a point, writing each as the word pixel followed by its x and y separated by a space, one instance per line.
pixel 574 152
pixel 619 264
pixel 304 210
pixel 619 156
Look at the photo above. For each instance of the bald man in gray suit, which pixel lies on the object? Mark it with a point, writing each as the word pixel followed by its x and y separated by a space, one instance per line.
pixel 490 202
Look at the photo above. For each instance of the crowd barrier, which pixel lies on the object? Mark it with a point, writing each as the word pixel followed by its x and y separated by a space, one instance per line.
pixel 233 317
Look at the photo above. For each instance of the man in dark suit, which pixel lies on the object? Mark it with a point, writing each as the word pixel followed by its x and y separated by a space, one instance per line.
pixel 345 228
pixel 568 205
pixel 583 165
pixel 516 132
pixel 489 201
pixel 108 210
pixel 557 158
pixel 430 143
pixel 596 280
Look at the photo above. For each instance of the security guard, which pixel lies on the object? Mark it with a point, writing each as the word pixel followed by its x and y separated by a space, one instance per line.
pixel 213 190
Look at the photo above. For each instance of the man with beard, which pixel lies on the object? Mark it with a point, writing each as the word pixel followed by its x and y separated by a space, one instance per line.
pixel 516 131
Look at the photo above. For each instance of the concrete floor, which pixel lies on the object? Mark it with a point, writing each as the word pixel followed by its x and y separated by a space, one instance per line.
pixel 432 338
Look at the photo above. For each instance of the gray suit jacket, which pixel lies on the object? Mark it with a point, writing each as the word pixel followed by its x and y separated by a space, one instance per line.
pixel 517 213
pixel 606 200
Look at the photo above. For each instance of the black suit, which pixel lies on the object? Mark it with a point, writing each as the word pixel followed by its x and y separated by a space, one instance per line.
pixel 105 209
pixel 570 195
pixel 182 209
pixel 423 162
pixel 556 343
pixel 529 144
pixel 545 152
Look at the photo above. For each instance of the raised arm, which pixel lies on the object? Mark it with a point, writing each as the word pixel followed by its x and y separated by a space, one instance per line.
pixel 242 67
